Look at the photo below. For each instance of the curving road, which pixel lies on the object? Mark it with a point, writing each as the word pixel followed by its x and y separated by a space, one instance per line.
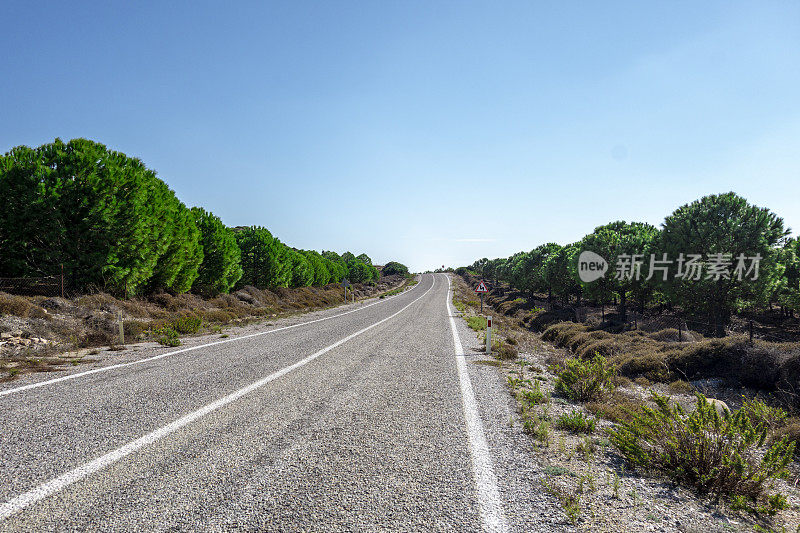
pixel 368 417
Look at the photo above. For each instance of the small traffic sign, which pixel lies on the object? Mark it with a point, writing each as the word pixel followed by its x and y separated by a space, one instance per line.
pixel 481 287
pixel 345 282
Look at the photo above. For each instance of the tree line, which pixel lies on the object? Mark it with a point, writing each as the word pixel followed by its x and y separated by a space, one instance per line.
pixel 115 226
pixel 712 257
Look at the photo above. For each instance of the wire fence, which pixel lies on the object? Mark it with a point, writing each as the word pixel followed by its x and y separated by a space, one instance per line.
pixel 691 329
pixel 684 329
pixel 32 286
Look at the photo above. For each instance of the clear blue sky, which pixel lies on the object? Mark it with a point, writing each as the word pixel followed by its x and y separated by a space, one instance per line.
pixel 427 132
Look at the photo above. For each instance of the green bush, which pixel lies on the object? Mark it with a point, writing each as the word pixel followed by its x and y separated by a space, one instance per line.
pixel 393 267
pixel 585 380
pixel 532 396
pixel 186 324
pixel 718 455
pixel 576 422
pixel 478 323
pixel 761 415
pixel 167 336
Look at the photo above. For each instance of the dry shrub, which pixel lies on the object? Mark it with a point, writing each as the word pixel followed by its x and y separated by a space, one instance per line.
pixel 507 351
pixel 756 364
pixel 563 333
pixel 134 329
pixel 55 304
pixel 576 340
pixel 246 297
pixel 167 301
pixel 97 337
pixel 658 357
pixel 97 300
pixel 651 364
pixel 681 386
pixel 256 297
pixel 667 335
pixel 605 347
pixel 138 308
pixel 219 316
pixel 621 381
pixel 543 320
pixel 229 303
pixel 20 306
pixel 615 407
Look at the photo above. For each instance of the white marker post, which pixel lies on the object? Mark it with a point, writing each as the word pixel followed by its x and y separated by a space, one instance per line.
pixel 121 329
pixel 489 335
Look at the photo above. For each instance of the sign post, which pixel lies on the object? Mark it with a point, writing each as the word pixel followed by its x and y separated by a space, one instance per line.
pixel 480 289
pixel 345 284
pixel 489 335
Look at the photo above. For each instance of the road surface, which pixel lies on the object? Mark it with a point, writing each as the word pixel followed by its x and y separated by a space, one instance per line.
pixel 368 417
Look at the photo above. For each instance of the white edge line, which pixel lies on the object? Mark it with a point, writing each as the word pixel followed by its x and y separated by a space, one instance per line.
pixel 182 350
pixel 49 488
pixel 489 502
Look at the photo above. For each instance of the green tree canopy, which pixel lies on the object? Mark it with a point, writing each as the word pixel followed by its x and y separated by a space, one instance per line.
pixel 613 241
pixel 322 275
pixel 724 224
pixel 103 215
pixel 302 270
pixel 221 267
pixel 393 267
pixel 266 261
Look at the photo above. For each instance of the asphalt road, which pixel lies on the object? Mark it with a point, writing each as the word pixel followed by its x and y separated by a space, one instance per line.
pixel 364 418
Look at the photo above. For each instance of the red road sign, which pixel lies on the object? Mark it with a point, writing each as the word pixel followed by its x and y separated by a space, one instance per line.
pixel 481 287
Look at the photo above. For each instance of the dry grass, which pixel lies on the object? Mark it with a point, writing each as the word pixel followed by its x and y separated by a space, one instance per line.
pixel 659 357
pixel 615 407
pixel 91 320
pixel 20 306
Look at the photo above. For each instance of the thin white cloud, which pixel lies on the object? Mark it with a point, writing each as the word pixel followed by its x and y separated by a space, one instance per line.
pixel 473 240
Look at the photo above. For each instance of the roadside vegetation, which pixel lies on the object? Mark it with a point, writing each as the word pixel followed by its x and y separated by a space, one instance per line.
pixel 121 246
pixel 44 333
pixel 623 452
pixel 717 224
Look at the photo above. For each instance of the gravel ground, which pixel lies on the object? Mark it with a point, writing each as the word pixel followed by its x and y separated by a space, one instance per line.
pixel 369 436
pixel 528 507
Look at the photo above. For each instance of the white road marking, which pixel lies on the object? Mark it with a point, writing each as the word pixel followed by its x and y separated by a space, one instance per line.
pixel 49 488
pixel 489 503
pixel 175 352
